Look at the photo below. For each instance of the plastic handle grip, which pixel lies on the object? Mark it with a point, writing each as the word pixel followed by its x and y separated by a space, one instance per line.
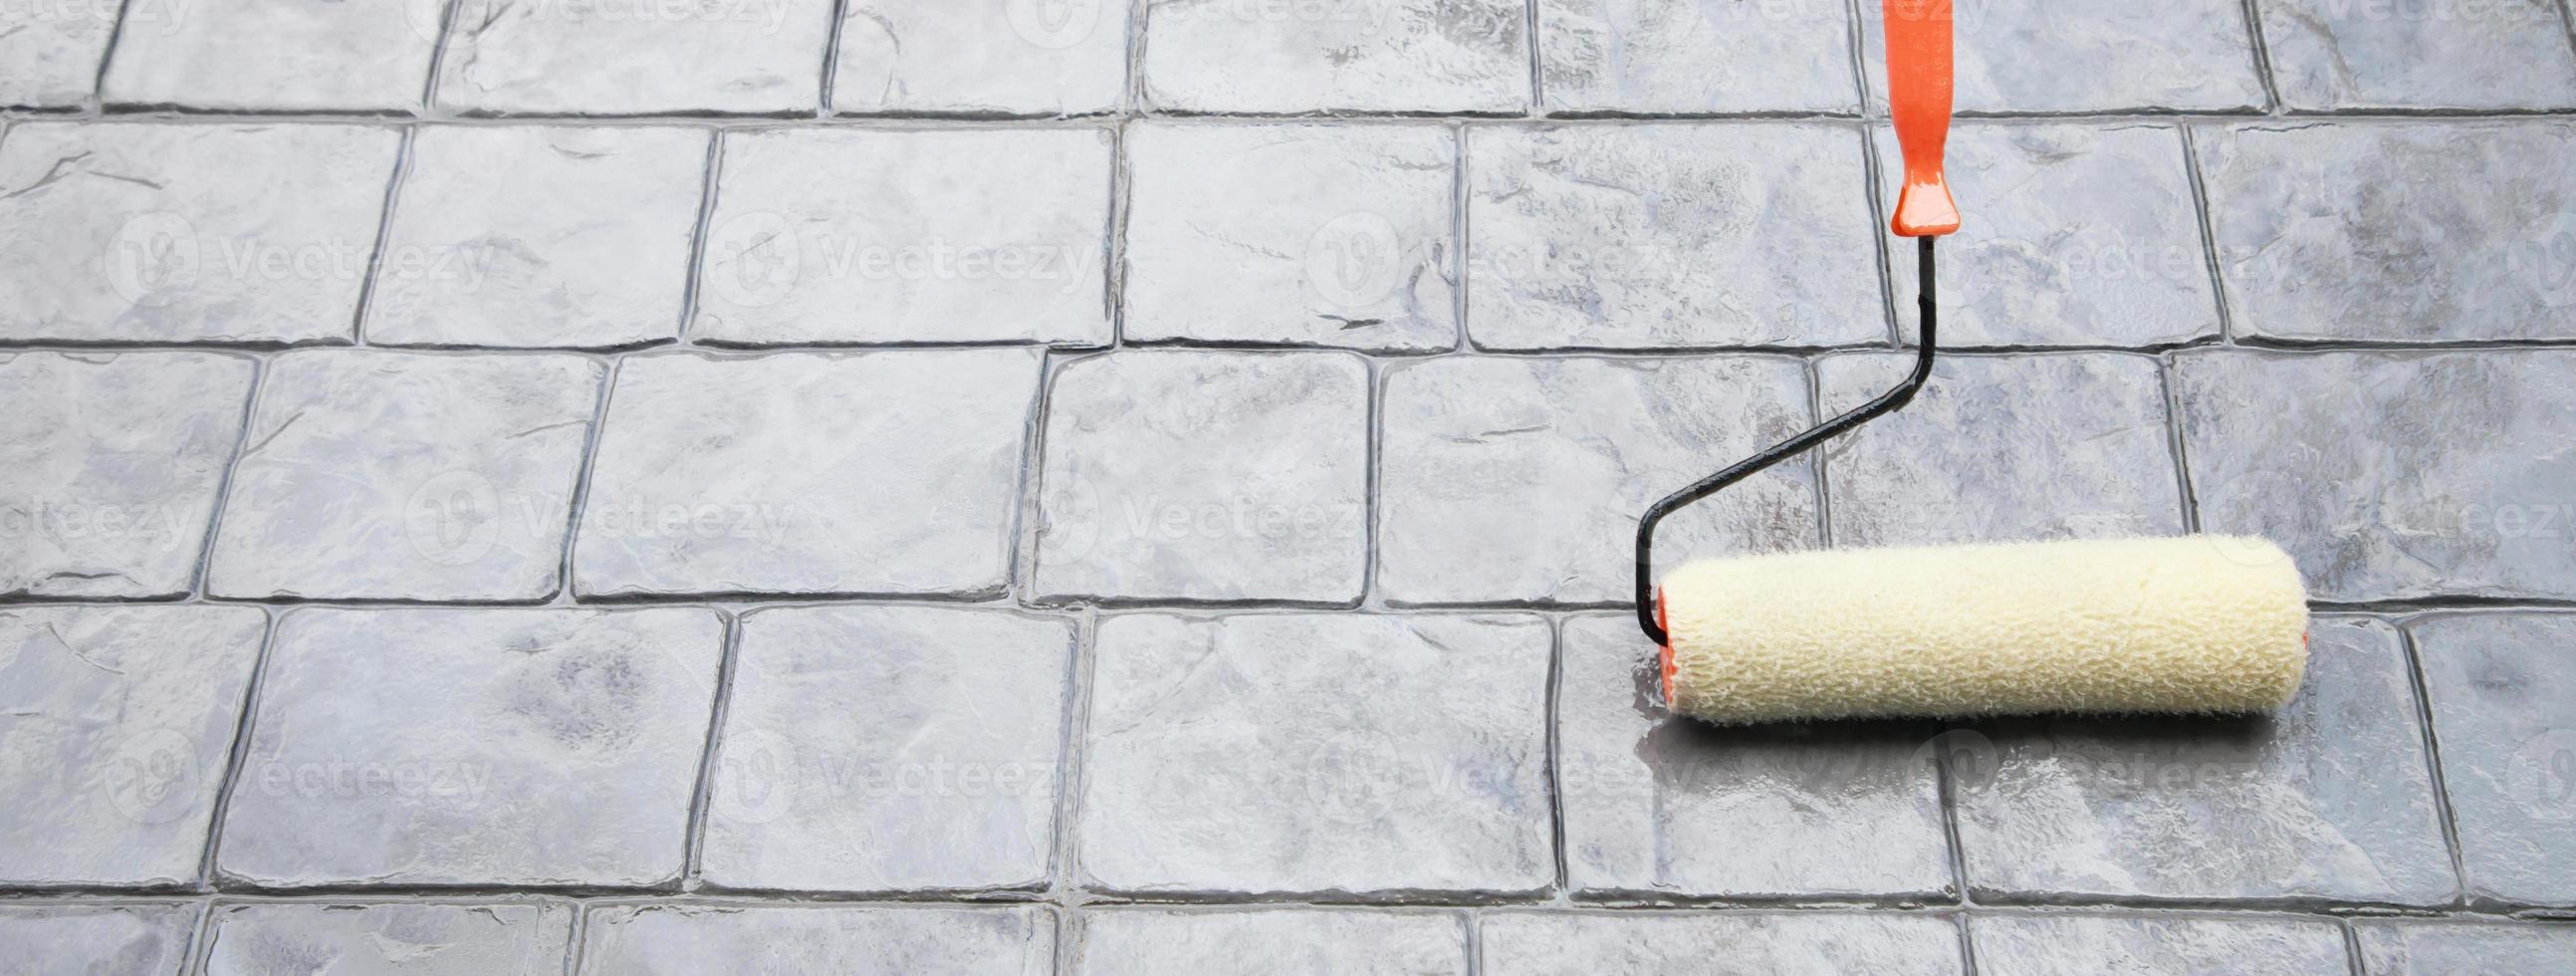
pixel 1918 90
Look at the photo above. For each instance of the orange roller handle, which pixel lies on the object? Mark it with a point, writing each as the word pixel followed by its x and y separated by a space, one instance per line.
pixel 1918 90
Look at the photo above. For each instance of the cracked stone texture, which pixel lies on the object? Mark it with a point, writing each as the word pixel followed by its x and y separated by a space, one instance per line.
pixel 1318 754
pixel 271 55
pixel 530 236
pixel 501 939
pixel 1020 57
pixel 1378 56
pixel 2418 948
pixel 688 940
pixel 1683 56
pixel 435 747
pixel 1330 235
pixel 1271 943
pixel 2329 798
pixel 140 232
pixel 878 236
pixel 2088 56
pixel 95 940
pixel 1206 476
pixel 553 57
pixel 1569 453
pixel 816 473
pixel 109 466
pixel 2077 945
pixel 2389 475
pixel 2503 694
pixel 2001 449
pixel 1657 805
pixel 2076 234
pixel 49 55
pixel 2435 54
pixel 118 728
pixel 1670 235
pixel 1799 944
pixel 406 476
pixel 2404 231
pixel 889 749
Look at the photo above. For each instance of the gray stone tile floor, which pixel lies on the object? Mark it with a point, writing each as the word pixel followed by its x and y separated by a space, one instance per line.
pixel 512 487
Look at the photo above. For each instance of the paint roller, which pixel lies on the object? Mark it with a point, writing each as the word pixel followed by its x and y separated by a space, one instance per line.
pixel 2190 625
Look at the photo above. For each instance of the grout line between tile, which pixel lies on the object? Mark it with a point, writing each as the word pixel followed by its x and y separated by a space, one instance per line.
pixel 2205 213
pixel 2432 744
pixel 237 759
pixel 694 842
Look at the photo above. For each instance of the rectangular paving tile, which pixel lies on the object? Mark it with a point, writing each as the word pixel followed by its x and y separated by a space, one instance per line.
pixel 2001 449
pixel 2389 475
pixel 484 939
pixel 689 940
pixel 1380 56
pixel 1206 476
pixel 819 473
pixel 1690 56
pixel 474 747
pixel 889 749
pixel 1318 754
pixel 119 729
pixel 2396 231
pixel 2503 693
pixel 49 57
pixel 540 237
pixel 884 236
pixel 139 232
pixel 746 56
pixel 2435 948
pixel 1328 235
pixel 1670 235
pixel 2077 234
pixel 406 476
pixel 2431 54
pixel 1818 943
pixel 1569 453
pixel 109 465
pixel 2330 798
pixel 2083 945
pixel 146 939
pixel 975 58
pixel 1657 805
pixel 234 55
pixel 2088 56
pixel 1270 943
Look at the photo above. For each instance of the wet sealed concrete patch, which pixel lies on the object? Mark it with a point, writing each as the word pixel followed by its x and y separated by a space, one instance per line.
pixel 2331 798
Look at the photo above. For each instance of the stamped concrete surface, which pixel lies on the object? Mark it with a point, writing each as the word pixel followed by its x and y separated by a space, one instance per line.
pixel 515 487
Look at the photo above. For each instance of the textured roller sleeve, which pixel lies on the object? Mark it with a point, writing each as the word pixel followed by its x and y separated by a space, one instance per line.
pixel 2200 624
